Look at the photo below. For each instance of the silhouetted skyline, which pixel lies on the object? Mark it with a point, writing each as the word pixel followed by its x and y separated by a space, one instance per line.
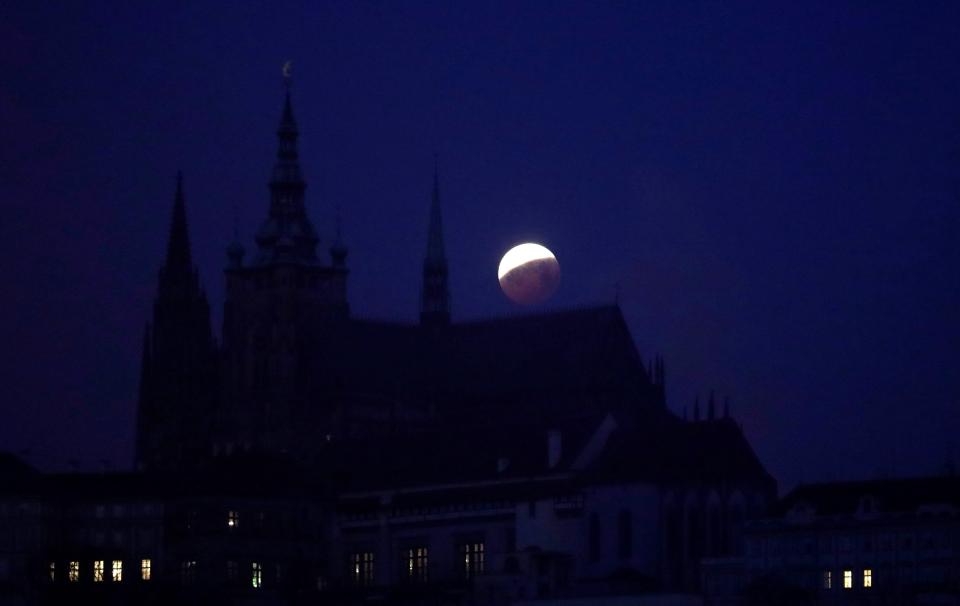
pixel 773 188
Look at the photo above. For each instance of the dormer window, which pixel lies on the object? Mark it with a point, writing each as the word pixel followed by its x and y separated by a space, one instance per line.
pixel 868 506
pixel 801 512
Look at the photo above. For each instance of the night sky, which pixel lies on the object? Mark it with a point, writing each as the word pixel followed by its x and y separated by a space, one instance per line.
pixel 775 188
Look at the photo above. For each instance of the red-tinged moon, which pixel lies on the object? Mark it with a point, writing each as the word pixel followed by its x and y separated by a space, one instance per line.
pixel 529 274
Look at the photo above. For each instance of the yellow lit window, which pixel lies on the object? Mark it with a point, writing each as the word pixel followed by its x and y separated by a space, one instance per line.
pixel 233 519
pixel 473 559
pixel 53 571
pixel 73 572
pixel 847 579
pixel 98 571
pixel 256 578
pixel 145 569
pixel 116 570
pixel 363 568
pixel 828 580
pixel 867 578
pixel 417 564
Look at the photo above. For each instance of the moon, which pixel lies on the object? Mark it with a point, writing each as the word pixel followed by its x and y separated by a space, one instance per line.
pixel 529 273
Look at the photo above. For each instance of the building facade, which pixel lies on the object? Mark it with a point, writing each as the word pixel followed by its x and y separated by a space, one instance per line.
pixel 872 542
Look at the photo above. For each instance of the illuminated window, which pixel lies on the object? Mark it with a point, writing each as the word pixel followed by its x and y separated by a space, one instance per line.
pixel 53 571
pixel 188 571
pixel 256 579
pixel 867 578
pixel 828 580
pixel 233 519
pixel 98 571
pixel 362 571
pixel 472 554
pixel 847 579
pixel 116 571
pixel 417 564
pixel 145 569
pixel 232 570
pixel 73 572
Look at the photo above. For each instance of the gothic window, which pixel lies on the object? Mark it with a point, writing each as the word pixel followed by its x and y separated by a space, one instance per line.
pixel 511 539
pixel 625 534
pixel 594 538
pixel 116 571
pixel 145 569
pixel 233 518
pixel 828 579
pixel 868 578
pixel 362 568
pixel 73 572
pixel 417 564
pixel 98 571
pixel 188 571
pixel 473 559
pixel 53 571
pixel 256 576
pixel 847 579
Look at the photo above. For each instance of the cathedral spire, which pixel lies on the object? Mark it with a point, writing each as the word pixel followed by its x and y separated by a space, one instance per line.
pixel 178 244
pixel 287 236
pixel 435 296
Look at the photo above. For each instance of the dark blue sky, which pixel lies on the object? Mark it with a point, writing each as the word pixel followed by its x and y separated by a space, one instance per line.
pixel 776 188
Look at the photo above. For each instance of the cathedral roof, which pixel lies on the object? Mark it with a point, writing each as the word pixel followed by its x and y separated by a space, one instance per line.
pixel 544 360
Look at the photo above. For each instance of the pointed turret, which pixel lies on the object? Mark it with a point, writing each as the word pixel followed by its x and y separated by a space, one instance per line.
pixel 178 245
pixel 287 236
pixel 338 251
pixel 711 408
pixel 435 296
pixel 696 407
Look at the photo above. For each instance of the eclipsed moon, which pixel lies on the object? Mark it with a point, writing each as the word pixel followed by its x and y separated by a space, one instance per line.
pixel 529 273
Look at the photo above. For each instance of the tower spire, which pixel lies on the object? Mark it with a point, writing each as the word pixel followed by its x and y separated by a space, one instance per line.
pixel 178 245
pixel 435 296
pixel 287 236
pixel 711 408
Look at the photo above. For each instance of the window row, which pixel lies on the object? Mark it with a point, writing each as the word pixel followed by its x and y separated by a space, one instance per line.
pixel 867 579
pixel 415 564
pixel 100 571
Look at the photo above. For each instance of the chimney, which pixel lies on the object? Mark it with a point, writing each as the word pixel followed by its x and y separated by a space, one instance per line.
pixel 554 447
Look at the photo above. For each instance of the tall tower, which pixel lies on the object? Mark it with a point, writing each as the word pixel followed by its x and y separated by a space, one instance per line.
pixel 435 294
pixel 277 308
pixel 178 369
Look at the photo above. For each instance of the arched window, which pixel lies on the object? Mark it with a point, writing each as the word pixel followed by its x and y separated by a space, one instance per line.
pixel 625 534
pixel 594 538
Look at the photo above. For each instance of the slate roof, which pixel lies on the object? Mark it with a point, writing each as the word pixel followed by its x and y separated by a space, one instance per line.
pixel 547 363
pixel 902 495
